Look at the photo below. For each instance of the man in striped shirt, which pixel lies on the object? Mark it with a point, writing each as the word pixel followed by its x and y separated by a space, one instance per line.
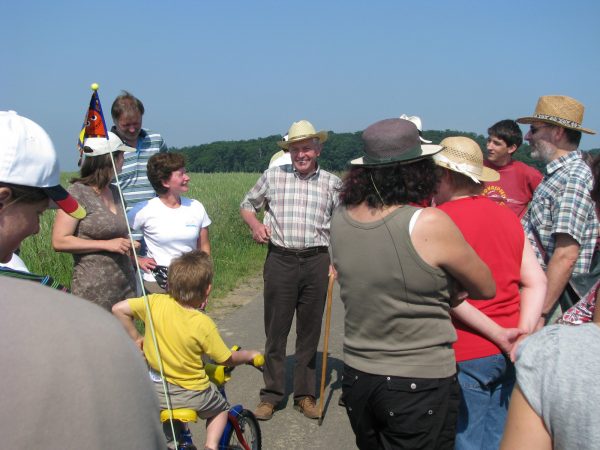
pixel 298 199
pixel 127 112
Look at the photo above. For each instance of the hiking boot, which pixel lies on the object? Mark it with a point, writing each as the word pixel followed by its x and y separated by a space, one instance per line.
pixel 264 411
pixel 307 406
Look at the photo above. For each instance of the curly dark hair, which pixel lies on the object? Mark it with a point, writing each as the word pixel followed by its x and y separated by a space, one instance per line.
pixel 395 184
pixel 160 168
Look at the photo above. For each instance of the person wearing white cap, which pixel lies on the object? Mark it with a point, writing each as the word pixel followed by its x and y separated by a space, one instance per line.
pixel 417 121
pixel 299 199
pixel 29 177
pixel 282 157
pixel 59 353
pixel 487 331
pixel 100 243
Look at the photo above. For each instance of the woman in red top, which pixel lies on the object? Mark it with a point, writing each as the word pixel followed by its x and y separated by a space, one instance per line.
pixel 488 330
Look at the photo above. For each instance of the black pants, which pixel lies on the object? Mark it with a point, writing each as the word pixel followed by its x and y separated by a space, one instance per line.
pixel 293 284
pixel 389 412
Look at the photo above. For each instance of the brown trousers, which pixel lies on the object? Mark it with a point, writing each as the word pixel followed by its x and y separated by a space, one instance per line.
pixel 293 284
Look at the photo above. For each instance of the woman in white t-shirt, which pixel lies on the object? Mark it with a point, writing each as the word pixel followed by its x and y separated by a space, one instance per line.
pixel 171 224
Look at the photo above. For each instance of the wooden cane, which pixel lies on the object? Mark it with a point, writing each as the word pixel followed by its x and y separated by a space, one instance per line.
pixel 325 346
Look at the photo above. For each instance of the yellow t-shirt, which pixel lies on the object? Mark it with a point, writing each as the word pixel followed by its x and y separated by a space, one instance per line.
pixel 183 336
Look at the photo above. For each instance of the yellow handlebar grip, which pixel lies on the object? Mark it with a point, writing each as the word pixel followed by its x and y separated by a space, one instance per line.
pixel 258 360
pixel 216 373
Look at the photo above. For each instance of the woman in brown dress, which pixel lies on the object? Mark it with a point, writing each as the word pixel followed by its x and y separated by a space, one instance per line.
pixel 102 271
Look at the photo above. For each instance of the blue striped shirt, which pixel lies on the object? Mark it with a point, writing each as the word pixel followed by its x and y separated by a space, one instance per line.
pixel 134 177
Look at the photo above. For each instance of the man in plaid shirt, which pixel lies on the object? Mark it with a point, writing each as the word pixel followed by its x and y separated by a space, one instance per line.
pixel 561 223
pixel 298 199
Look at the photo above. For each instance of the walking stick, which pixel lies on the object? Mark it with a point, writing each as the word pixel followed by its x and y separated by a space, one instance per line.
pixel 325 346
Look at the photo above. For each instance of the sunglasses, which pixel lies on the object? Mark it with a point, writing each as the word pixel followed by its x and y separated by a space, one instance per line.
pixel 534 130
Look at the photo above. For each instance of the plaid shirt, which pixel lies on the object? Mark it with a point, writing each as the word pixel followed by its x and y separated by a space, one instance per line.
pixel 298 211
pixel 562 204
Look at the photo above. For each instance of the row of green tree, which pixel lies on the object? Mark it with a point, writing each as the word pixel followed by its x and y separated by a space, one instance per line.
pixel 254 155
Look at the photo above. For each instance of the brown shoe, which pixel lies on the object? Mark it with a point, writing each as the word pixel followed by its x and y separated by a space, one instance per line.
pixel 308 407
pixel 264 411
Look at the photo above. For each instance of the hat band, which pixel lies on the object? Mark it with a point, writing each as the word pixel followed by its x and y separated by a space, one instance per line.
pixel 409 154
pixel 463 168
pixel 302 136
pixel 565 122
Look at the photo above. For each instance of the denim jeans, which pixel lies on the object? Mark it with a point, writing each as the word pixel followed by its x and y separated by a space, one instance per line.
pixel 486 385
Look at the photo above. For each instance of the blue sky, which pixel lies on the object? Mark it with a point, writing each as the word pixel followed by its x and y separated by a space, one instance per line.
pixel 226 70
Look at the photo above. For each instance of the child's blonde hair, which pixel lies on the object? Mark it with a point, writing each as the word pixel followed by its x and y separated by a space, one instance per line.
pixel 189 276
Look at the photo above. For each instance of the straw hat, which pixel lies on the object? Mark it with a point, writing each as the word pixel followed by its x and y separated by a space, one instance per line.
pixel 301 130
pixel 463 155
pixel 393 140
pixel 558 110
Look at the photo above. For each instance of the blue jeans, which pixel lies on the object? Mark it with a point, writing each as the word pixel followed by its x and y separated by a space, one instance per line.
pixel 486 385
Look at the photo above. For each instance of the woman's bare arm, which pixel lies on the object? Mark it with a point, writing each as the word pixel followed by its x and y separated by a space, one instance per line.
pixel 441 244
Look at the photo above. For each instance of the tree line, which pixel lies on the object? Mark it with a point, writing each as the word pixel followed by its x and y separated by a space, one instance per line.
pixel 254 155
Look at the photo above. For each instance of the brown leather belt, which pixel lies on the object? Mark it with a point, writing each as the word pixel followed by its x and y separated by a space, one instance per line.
pixel 298 252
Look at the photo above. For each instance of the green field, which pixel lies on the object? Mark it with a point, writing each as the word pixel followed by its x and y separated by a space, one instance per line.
pixel 236 256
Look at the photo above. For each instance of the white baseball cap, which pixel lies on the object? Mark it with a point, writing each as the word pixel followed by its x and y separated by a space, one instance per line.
pixel 27 158
pixel 417 121
pixel 96 146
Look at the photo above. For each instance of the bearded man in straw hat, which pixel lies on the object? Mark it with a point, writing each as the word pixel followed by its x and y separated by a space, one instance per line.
pixel 561 223
pixel 299 199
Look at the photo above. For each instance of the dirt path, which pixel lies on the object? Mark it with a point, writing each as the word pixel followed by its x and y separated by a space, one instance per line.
pixel 250 289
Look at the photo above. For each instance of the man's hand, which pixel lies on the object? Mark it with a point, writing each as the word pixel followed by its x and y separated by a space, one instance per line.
pixel 261 233
pixel 146 264
pixel 332 271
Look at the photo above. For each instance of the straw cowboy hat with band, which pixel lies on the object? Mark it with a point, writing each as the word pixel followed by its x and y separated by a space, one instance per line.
pixel 391 141
pixel 301 130
pixel 463 155
pixel 558 110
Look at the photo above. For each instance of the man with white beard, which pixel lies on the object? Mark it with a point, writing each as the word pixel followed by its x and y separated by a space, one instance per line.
pixel 561 222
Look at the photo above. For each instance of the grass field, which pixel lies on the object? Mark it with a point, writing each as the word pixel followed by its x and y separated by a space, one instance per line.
pixel 236 256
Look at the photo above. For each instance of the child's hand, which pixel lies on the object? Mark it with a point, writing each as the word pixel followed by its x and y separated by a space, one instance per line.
pixel 257 359
pixel 139 342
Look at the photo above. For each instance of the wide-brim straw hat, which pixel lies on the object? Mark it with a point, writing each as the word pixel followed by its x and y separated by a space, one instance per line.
pixel 391 141
pixel 301 130
pixel 463 155
pixel 558 110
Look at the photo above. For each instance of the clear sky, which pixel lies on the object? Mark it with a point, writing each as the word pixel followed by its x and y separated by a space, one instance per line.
pixel 228 70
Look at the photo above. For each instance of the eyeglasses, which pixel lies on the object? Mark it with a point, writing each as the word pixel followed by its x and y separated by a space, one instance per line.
pixel 534 130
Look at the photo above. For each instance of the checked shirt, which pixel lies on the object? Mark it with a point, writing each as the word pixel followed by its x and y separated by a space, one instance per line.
pixel 297 210
pixel 562 204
